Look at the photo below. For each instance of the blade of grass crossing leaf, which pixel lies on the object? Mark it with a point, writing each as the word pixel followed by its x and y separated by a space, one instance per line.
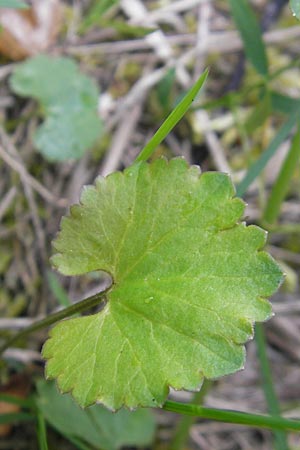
pixel 295 7
pixel 230 416
pixel 280 440
pixel 172 119
pixel 250 32
pixel 281 185
pixel 261 163
pixel 15 417
pixel 41 431
pixel 23 403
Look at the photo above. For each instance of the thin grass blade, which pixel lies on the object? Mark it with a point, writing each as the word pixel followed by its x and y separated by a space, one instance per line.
pixel 250 32
pixel 281 185
pixel 261 163
pixel 41 432
pixel 15 417
pixel 280 439
pixel 172 119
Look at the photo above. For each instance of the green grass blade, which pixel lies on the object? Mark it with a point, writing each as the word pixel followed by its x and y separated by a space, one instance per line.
pixel 283 103
pixel 250 32
pixel 281 185
pixel 295 7
pixel 280 439
pixel 182 430
pixel 238 417
pixel 260 164
pixel 15 417
pixel 172 119
pixel 259 114
pixel 57 290
pixel 22 402
pixel 41 431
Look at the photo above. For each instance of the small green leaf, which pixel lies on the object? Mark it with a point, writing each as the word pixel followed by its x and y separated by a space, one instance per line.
pixel 251 35
pixel 69 100
pixel 96 426
pixel 67 136
pixel 189 280
pixel 295 7
pixel 14 4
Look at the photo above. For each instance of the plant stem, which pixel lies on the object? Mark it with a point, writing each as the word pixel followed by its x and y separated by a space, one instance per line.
pixel 83 305
pixel 281 185
pixel 280 441
pixel 240 418
pixel 183 428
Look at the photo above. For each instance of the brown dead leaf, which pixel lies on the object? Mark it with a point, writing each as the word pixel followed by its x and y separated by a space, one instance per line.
pixel 28 32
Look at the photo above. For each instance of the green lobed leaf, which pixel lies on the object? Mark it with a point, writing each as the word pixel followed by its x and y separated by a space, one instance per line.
pixel 295 7
pixel 96 426
pixel 189 280
pixel 69 101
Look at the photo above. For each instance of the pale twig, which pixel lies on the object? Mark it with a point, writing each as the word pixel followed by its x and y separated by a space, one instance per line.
pixel 286 255
pixel 220 42
pixel 27 178
pixel 17 323
pixel 212 141
pixel 41 241
pixel 174 7
pixel 203 31
pixel 6 70
pixel 138 13
pixel 22 355
pixel 136 92
pixel 121 139
pixel 7 201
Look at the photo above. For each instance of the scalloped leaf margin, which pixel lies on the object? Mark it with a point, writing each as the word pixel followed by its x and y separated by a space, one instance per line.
pixel 189 281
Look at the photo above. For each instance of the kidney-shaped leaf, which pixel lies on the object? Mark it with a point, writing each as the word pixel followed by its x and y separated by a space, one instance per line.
pixel 95 426
pixel 188 283
pixel 295 7
pixel 69 100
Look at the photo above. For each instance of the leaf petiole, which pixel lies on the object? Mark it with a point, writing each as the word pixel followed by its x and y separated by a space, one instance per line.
pixel 76 308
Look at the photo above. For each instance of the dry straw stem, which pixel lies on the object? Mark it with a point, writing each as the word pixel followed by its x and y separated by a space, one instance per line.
pixel 220 42
pixel 25 177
